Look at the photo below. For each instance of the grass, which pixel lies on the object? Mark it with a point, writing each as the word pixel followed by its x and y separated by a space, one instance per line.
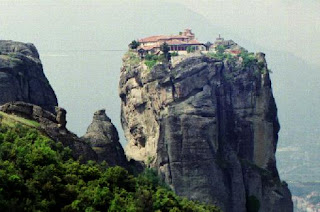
pixel 133 58
pixel 150 63
pixel 12 120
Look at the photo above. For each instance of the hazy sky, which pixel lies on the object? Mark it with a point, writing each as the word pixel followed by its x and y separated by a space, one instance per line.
pixel 286 25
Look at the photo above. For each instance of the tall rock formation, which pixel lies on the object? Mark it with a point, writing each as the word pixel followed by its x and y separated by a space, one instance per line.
pixel 209 127
pixel 104 139
pixel 22 77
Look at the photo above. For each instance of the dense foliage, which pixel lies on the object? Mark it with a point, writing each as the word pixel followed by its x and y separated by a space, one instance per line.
pixel 134 44
pixel 37 174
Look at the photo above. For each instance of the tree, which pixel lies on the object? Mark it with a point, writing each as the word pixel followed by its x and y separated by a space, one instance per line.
pixel 134 44
pixel 190 49
pixel 220 49
pixel 165 49
pixel 208 44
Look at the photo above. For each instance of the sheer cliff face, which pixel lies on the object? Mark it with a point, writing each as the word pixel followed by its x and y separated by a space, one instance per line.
pixel 210 128
pixel 22 77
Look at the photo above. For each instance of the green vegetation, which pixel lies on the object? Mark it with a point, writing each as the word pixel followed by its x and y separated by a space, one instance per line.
pixel 12 120
pixel 165 49
pixel 248 58
pixel 173 54
pixel 133 58
pixel 151 60
pixel 38 174
pixel 134 44
pixel 191 49
pixel 220 49
pixel 220 54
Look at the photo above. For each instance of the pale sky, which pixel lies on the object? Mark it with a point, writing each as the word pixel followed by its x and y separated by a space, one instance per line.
pixel 285 25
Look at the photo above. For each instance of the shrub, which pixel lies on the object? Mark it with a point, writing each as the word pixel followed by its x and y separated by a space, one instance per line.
pixel 151 60
pixel 220 49
pixel 134 44
pixel 248 58
pixel 173 54
pixel 190 49
pixel 150 63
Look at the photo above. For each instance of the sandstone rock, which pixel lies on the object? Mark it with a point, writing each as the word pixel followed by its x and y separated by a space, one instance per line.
pixel 103 138
pixel 52 127
pixel 210 128
pixel 22 77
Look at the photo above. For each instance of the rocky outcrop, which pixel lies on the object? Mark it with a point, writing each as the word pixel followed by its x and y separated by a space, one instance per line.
pixel 53 126
pixel 210 128
pixel 104 140
pixel 22 77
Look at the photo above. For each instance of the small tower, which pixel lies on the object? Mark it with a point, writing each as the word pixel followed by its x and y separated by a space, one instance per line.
pixel 188 33
pixel 219 38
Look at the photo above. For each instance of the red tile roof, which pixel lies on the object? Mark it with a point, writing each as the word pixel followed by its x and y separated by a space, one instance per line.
pixel 154 38
pixel 157 38
pixel 175 42
pixel 147 48
pixel 194 42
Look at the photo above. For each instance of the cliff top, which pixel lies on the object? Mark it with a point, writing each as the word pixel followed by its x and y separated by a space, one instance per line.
pixel 11 48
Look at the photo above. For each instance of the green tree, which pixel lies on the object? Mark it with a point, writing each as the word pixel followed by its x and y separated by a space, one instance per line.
pixel 165 49
pixel 190 49
pixel 134 44
pixel 220 49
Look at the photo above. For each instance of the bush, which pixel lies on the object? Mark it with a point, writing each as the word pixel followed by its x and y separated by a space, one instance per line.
pixel 190 49
pixel 150 63
pixel 220 49
pixel 151 60
pixel 134 44
pixel 173 54
pixel 248 59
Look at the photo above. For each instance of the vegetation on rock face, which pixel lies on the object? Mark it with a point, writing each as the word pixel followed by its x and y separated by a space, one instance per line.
pixel 248 58
pixel 134 44
pixel 165 49
pixel 190 49
pixel 173 54
pixel 38 174
pixel 132 58
pixel 151 60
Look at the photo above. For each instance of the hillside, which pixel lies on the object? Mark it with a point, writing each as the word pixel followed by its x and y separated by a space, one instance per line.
pixel 38 174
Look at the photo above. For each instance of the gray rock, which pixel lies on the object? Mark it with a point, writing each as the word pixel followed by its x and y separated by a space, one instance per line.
pixel 61 117
pixel 51 126
pixel 104 140
pixel 210 128
pixel 22 77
